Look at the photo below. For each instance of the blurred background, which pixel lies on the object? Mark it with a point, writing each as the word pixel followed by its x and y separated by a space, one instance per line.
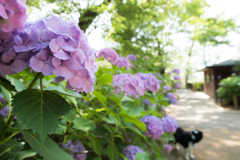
pixel 164 34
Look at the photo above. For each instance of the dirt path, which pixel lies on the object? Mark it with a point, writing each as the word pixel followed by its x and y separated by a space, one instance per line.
pixel 221 128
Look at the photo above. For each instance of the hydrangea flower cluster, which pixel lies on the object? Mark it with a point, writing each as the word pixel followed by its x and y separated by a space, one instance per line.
pixel 147 102
pixel 167 88
pixel 51 46
pixel 172 98
pixel 131 57
pixel 177 78
pixel 169 124
pixel 167 147
pixel 13 15
pixel 131 151
pixel 75 148
pixel 169 73
pixel 113 57
pixel 131 84
pixel 178 85
pixel 177 71
pixel 109 54
pixel 150 82
pixel 122 62
pixel 154 126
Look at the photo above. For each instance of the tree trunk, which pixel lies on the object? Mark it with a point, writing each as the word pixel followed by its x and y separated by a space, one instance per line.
pixel 235 100
pixel 188 63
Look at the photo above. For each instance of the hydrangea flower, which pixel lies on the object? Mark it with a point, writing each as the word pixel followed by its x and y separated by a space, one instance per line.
pixel 170 96
pixel 169 73
pixel 76 149
pixel 130 84
pixel 178 85
pixel 147 102
pixel 177 78
pixel 154 126
pixel 122 62
pixel 169 124
pixel 167 147
pixel 13 14
pixel 109 54
pixel 177 71
pixel 51 46
pixel 173 101
pixel 150 82
pixel 131 57
pixel 131 151
pixel 167 88
pixel 4 112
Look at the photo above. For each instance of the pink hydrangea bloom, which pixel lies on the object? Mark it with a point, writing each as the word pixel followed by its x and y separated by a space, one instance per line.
pixel 131 57
pixel 109 54
pixel 122 62
pixel 130 84
pixel 167 147
pixel 150 82
pixel 154 126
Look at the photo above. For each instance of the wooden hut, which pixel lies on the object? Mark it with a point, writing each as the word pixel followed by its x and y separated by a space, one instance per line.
pixel 215 73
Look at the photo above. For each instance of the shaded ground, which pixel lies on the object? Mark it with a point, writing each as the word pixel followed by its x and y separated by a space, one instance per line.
pixel 221 128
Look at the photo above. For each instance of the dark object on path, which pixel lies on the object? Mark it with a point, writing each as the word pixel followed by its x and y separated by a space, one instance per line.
pixel 187 139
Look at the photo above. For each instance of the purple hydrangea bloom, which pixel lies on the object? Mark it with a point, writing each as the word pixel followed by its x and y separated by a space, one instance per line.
pixel 178 85
pixel 169 124
pixel 131 57
pixel 154 126
pixel 13 14
pixel 167 147
pixel 177 78
pixel 122 62
pixel 169 73
pixel 170 96
pixel 131 84
pixel 109 54
pixel 150 82
pixel 173 101
pixel 177 71
pixel 76 149
pixel 147 102
pixel 167 88
pixel 131 151
pixel 4 112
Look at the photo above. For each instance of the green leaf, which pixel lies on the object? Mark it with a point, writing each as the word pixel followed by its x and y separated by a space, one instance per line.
pixel 107 78
pixel 95 144
pixel 142 156
pixel 101 98
pixel 9 149
pixel 98 158
pixel 112 151
pixel 83 124
pixel 126 98
pixel 150 98
pixel 49 149
pixel 115 99
pixel 60 90
pixel 24 154
pixel 135 121
pixel 6 94
pixel 6 84
pixel 134 109
pixel 70 116
pixel 2 124
pixel 112 119
pixel 39 110
pixel 133 128
pixel 15 82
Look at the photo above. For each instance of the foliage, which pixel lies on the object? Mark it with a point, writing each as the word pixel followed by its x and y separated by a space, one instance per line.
pixel 228 87
pixel 197 86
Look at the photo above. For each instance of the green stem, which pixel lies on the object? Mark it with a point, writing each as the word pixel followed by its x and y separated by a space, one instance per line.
pixel 34 81
pixel 6 126
pixel 8 138
pixel 4 106
pixel 41 87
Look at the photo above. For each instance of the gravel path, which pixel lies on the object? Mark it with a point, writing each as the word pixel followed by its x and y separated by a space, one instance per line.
pixel 221 128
